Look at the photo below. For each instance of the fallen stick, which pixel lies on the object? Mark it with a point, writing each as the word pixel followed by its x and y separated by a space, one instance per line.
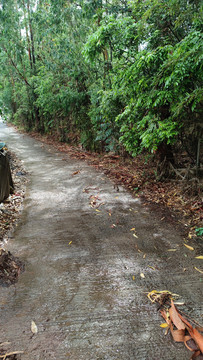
pixel 11 353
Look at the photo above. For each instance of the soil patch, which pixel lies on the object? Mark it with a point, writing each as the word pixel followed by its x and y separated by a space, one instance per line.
pixel 10 211
pixel 10 268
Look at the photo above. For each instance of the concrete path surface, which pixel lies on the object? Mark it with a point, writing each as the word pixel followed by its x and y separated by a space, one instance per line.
pixel 87 274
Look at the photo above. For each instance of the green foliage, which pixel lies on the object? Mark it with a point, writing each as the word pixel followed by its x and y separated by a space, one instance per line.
pixel 119 73
pixel 199 231
pixel 164 91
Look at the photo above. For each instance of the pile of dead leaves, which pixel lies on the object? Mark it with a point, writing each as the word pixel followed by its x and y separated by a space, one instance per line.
pixel 10 268
pixel 179 326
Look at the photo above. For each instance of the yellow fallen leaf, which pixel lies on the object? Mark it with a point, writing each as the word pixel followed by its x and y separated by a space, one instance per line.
pixel 133 277
pixel 70 242
pixel 189 247
pixel 132 229
pixel 135 235
pixel 152 267
pixel 109 214
pixel 97 210
pixel 144 256
pixel 198 270
pixel 190 235
pixel 142 275
pixel 171 249
pixel 34 327
pixel 164 325
pixel 199 257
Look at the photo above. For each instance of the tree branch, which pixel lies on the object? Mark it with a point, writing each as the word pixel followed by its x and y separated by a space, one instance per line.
pixel 18 71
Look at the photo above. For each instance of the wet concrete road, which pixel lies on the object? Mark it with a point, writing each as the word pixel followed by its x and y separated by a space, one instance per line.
pixel 82 284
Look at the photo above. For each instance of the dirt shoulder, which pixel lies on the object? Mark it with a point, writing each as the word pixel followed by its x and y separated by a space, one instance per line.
pixel 175 201
pixel 11 208
pixel 10 211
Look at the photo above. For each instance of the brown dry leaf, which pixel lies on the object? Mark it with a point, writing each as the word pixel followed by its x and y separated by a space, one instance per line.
pixel 165 316
pixel 189 247
pixel 174 315
pixel 188 325
pixel 197 337
pixel 75 172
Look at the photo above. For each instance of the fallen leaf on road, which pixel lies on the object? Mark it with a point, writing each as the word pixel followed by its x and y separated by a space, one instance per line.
pixel 132 229
pixel 198 270
pixel 11 354
pixel 142 275
pixel 70 243
pixel 171 249
pixel 164 325
pixel 135 235
pixel 189 247
pixel 160 296
pixel 75 172
pixel 180 327
pixel 133 277
pixel 152 267
pixel 34 327
pixel 199 257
